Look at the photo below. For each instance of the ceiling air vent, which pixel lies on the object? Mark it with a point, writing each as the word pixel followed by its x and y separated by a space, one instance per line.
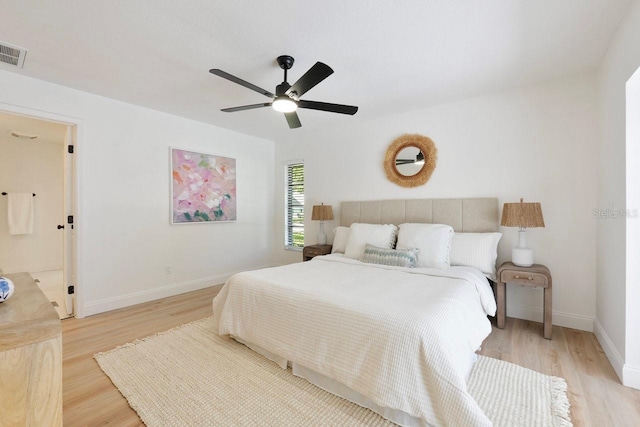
pixel 12 55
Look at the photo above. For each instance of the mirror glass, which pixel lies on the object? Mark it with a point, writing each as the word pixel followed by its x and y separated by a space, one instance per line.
pixel 409 161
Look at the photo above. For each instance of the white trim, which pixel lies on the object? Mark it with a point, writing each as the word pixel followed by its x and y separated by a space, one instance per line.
pixel 127 300
pixel 78 164
pixel 609 349
pixel 631 376
pixel 40 114
pixel 559 318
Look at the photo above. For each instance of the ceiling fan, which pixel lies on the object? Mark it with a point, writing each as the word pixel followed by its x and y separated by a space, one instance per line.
pixel 287 97
pixel 419 160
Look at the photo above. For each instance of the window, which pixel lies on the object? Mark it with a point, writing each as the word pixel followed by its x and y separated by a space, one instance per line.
pixel 294 206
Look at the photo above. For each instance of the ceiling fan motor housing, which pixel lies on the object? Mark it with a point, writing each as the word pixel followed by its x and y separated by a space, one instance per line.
pixel 282 88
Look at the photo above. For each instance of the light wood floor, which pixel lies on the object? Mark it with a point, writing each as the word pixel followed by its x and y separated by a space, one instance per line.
pixel 596 395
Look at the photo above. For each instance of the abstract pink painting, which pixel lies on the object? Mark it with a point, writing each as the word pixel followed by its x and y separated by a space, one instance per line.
pixel 204 187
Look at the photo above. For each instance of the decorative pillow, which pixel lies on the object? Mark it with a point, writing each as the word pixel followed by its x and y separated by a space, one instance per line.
pixel 386 256
pixel 340 236
pixel 379 235
pixel 479 250
pixel 433 241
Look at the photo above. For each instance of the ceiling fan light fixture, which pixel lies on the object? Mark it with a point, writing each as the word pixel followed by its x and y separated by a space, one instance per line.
pixel 420 159
pixel 284 104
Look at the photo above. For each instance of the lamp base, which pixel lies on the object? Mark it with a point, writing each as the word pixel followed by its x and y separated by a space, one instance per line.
pixel 522 257
pixel 322 238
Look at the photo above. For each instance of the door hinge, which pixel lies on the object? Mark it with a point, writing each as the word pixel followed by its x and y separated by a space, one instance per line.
pixel 71 290
pixel 69 219
pixel 70 149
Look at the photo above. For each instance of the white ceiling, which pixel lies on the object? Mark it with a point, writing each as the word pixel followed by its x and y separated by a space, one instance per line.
pixel 388 56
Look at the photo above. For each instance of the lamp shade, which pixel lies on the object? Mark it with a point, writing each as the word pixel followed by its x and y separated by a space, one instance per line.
pixel 525 215
pixel 322 213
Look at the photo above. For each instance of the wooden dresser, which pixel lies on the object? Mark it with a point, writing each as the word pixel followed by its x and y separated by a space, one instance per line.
pixel 30 357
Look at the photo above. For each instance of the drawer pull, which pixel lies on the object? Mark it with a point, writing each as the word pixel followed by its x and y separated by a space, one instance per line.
pixel 518 277
pixel 530 278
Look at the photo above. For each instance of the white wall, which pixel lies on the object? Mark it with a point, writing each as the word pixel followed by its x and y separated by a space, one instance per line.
pixel 618 271
pixel 125 240
pixel 32 166
pixel 537 142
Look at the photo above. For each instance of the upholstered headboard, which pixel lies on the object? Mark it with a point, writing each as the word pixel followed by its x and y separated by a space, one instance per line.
pixel 476 215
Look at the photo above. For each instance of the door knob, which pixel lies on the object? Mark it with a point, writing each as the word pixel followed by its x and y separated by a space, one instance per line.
pixel 60 227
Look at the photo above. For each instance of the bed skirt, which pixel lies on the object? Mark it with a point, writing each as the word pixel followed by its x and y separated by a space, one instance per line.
pixel 338 389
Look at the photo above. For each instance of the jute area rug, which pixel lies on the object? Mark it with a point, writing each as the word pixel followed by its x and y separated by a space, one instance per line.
pixel 189 376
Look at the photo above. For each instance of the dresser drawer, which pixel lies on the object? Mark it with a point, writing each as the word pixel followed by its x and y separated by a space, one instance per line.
pixel 520 278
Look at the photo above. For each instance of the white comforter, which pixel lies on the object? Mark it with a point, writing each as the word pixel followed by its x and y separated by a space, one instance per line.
pixel 402 337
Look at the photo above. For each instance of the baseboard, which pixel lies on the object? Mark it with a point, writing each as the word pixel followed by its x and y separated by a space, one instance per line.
pixel 559 318
pixel 128 300
pixel 631 376
pixel 609 349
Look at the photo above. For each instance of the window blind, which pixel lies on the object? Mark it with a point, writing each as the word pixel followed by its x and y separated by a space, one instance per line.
pixel 294 215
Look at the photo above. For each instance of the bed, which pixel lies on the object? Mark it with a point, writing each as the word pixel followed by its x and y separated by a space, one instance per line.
pixel 398 340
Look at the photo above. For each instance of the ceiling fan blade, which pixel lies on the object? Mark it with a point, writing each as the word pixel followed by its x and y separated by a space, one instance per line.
pixel 324 106
pixel 404 161
pixel 245 107
pixel 241 82
pixel 312 77
pixel 293 120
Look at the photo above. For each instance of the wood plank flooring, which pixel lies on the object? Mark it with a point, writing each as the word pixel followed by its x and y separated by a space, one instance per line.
pixel 597 397
pixel 90 399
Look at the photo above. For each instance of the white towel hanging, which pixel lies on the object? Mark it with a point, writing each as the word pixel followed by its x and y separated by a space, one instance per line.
pixel 20 213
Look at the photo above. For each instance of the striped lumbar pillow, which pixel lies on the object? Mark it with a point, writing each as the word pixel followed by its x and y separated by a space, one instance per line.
pixel 386 256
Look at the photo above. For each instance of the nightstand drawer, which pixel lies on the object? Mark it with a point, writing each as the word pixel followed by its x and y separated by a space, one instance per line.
pixel 313 252
pixel 523 278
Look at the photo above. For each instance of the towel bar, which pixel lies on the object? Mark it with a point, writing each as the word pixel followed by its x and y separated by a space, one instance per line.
pixel 4 193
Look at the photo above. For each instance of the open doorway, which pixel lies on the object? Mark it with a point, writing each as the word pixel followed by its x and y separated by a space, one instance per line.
pixel 35 160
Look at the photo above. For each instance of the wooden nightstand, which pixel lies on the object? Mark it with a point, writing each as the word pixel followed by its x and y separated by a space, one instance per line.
pixel 314 250
pixel 537 275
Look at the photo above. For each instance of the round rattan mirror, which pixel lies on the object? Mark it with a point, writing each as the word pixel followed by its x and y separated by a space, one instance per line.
pixel 410 160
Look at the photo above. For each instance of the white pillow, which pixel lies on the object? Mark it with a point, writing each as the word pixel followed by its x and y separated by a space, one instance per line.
pixel 479 250
pixel 433 241
pixel 379 235
pixel 340 236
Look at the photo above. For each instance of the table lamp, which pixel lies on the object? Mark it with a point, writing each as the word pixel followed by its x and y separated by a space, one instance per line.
pixel 322 213
pixel 523 215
